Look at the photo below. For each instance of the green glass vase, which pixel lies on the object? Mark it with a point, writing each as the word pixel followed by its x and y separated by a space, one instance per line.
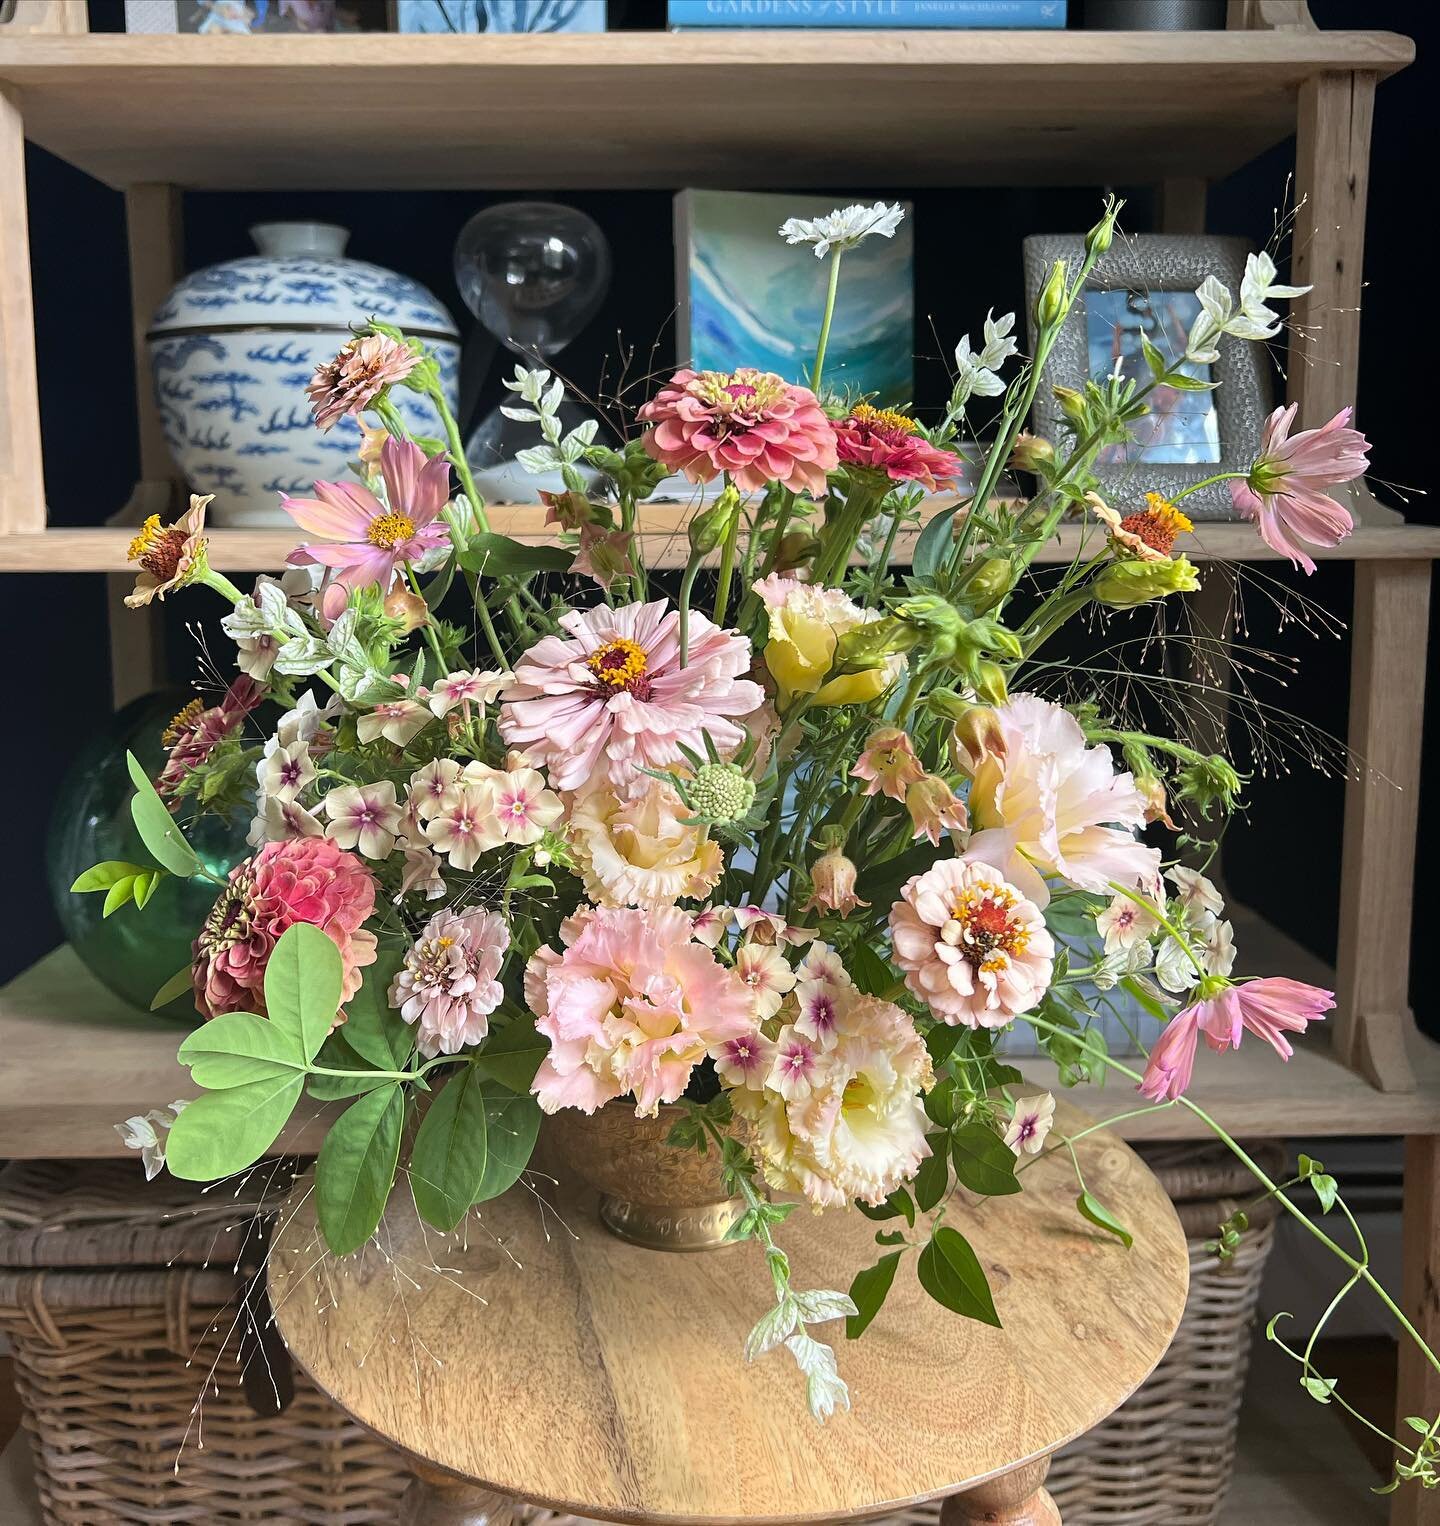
pixel 132 952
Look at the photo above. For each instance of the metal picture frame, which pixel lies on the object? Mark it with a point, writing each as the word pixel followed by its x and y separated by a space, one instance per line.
pixel 1148 264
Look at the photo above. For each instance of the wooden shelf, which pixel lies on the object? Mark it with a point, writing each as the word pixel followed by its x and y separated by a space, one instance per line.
pixel 620 109
pixel 78 1060
pixel 1381 535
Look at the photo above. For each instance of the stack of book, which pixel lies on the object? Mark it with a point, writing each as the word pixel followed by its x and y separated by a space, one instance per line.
pixel 880 14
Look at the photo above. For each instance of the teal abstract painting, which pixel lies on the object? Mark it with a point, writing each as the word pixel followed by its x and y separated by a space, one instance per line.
pixel 747 298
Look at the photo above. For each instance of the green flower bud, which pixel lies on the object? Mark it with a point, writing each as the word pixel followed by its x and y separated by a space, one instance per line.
pixel 711 525
pixel 988 581
pixel 1030 453
pixel 872 645
pixel 1072 405
pixel 1206 782
pixel 1102 235
pixel 988 635
pixel 1124 584
pixel 1051 303
pixel 721 791
pixel 990 683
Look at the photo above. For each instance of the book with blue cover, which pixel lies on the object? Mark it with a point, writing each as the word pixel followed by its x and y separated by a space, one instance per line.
pixel 938 14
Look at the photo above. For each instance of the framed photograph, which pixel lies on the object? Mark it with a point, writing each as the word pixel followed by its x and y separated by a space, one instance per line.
pixel 1145 286
pixel 248 18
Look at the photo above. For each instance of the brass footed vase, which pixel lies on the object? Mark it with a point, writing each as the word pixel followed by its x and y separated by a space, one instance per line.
pixel 651 1194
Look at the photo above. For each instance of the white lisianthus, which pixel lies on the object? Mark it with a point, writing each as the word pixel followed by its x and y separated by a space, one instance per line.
pixel 843 228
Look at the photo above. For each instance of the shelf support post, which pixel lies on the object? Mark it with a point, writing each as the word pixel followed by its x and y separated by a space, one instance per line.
pixel 1332 174
pixel 1390 629
pixel 22 480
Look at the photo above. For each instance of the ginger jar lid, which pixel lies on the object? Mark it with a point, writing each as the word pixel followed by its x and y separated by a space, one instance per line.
pixel 302 281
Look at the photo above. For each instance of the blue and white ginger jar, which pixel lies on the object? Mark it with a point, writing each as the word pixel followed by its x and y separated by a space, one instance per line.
pixel 232 348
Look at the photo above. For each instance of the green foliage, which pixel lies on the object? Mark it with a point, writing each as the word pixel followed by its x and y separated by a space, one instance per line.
pixel 951 1274
pixel 122 883
pixel 498 556
pixel 177 985
pixel 868 1293
pixel 303 981
pixel 511 1126
pixel 356 1168
pixel 337 1054
pixel 933 1176
pixel 1100 1216
pixel 869 971
pixel 226 1131
pixel 158 831
pixel 983 1161
pixel 1325 1186
pixel 450 1153
pixel 238 1048
pixel 374 1030
pixel 898 1205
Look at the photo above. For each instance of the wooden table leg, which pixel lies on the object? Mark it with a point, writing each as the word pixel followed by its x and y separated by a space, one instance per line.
pixel 1418 1389
pixel 438 1499
pixel 1015 1499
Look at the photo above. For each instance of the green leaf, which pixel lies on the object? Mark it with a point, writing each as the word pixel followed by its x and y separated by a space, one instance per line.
pixel 941 1041
pixel 145 886
pixel 933 1176
pixel 225 1131
pixel 177 985
pixel 1318 1388
pixel 157 828
pixel 933 543
pixel 983 1161
pixel 118 895
pixel 869 971
pixel 237 1048
pixel 1183 383
pixel 951 1274
pixel 498 556
pixel 939 1102
pixel 447 1162
pixel 1154 359
pixel 1100 1216
pixel 897 1205
pixel 512 1124
pixel 1325 1189
pixel 356 1168
pixel 373 1028
pixel 512 1055
pixel 880 884
pixel 868 1292
pixel 1138 993
pixel 303 981
pixel 103 876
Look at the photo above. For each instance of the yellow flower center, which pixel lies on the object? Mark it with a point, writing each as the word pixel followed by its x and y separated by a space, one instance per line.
pixel 1158 523
pixel 444 942
pixel 389 530
pixel 157 548
pixel 989 936
pixel 618 663
pixel 884 421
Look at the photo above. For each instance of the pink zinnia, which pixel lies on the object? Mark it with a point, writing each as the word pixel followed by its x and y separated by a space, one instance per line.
pixel 885 440
pixel 376 540
pixel 1285 491
pixel 196 732
pixel 1270 1008
pixel 449 984
pixel 616 693
pixel 632 1004
pixel 306 879
pixel 752 424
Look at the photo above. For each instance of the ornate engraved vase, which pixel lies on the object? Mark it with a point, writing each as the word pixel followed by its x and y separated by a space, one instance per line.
pixel 651 1194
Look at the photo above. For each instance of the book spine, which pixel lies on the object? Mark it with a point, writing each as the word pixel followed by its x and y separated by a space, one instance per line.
pixel 938 14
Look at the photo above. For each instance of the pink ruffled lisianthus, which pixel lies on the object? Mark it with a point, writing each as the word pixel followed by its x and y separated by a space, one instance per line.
pixel 304 879
pixel 450 981
pixel 972 947
pixel 752 424
pixel 1285 492
pixel 375 539
pixel 614 694
pixel 1270 1008
pixel 885 440
pixel 632 1003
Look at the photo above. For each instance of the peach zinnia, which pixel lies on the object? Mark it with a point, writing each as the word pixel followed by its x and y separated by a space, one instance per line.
pixel 754 425
pixel 972 947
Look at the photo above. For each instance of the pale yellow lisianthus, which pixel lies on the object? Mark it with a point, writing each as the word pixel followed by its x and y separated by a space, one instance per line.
pixel 636 851
pixel 806 624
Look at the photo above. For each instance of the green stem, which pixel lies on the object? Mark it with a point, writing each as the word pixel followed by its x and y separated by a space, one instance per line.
pixel 819 368
pixel 1208 482
pixel 432 640
pixel 687 582
pixel 727 569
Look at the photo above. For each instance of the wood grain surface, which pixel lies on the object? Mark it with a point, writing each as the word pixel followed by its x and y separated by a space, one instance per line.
pixel 543 1358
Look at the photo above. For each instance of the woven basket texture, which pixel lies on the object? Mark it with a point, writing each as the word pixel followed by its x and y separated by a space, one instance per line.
pixel 123 1304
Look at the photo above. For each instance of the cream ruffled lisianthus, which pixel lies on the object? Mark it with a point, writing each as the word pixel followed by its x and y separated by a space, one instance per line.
pixel 637 851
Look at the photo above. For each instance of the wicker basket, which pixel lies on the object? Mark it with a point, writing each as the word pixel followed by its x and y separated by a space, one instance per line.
pixel 122 1304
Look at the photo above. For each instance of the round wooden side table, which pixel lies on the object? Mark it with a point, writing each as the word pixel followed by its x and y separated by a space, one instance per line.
pixel 537 1358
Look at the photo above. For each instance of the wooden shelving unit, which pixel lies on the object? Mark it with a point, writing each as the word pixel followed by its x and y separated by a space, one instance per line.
pixel 153 116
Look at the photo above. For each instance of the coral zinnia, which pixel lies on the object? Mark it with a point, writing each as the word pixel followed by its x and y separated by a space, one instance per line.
pixel 357 376
pixel 376 538
pixel 306 879
pixel 1285 491
pixel 887 441
pixel 616 692
pixel 752 424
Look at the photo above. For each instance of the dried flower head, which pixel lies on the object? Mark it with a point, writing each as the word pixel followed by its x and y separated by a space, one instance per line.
pixel 169 556
pixel 357 376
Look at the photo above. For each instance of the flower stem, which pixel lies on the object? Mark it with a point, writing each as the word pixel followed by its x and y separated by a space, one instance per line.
pixel 1208 482
pixel 727 568
pixel 818 370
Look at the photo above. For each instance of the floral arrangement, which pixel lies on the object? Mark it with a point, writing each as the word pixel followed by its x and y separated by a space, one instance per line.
pixel 787 842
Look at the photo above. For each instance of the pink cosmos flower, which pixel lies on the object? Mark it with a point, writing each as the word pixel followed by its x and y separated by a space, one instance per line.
pixel 1047 803
pixel 972 947
pixel 376 540
pixel 449 984
pixel 1285 491
pixel 885 440
pixel 888 764
pixel 752 424
pixel 357 376
pixel 305 879
pixel 197 731
pixel 615 695
pixel 631 1004
pixel 1270 1008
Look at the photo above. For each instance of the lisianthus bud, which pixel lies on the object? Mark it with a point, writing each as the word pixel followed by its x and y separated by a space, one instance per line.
pixel 1102 235
pixel 988 635
pixel 407 607
pixel 990 579
pixel 1030 453
pixel 978 735
pixel 796 548
pixel 1051 302
pixel 721 791
pixel 832 882
pixel 990 684
pixel 1124 584
pixel 711 525
pixel 872 645
pixel 1072 405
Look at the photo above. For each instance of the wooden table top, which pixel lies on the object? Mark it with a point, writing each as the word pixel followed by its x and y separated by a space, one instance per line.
pixel 543 1358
